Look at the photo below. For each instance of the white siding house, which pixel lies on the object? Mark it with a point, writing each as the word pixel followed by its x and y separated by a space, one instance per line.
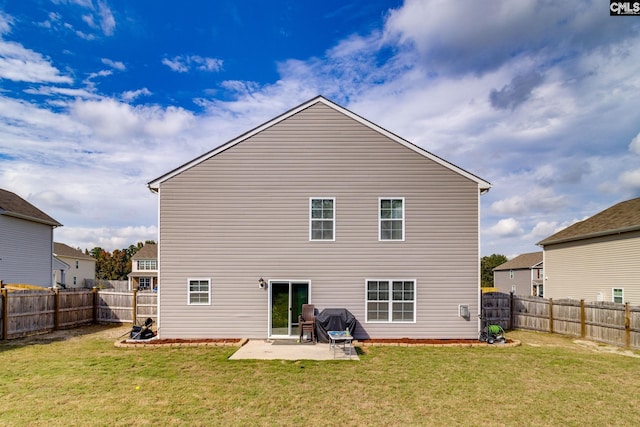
pixel 81 271
pixel 318 205
pixel 26 242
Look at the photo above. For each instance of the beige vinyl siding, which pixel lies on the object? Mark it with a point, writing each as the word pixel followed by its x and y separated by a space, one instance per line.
pixel 582 269
pixel 244 214
pixel 521 279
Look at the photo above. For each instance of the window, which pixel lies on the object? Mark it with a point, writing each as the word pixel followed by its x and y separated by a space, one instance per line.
pixel 390 301
pixel 144 284
pixel 322 219
pixel 199 291
pixel 75 280
pixel 510 274
pixel 618 295
pixel 391 219
pixel 77 263
pixel 147 264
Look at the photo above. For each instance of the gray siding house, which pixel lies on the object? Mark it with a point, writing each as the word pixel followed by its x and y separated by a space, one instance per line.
pixel 596 259
pixel 26 242
pixel 321 206
pixel 522 275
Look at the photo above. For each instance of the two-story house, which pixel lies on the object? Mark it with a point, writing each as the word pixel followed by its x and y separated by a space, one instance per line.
pixel 144 268
pixel 26 242
pixel 81 268
pixel 318 206
pixel 522 275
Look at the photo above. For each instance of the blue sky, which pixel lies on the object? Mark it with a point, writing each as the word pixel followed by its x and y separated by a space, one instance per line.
pixel 99 97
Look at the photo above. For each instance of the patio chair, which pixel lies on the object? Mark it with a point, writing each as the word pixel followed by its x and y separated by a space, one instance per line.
pixel 307 322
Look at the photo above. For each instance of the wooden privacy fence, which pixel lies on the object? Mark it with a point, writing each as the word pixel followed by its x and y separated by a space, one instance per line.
pixel 28 312
pixel 608 322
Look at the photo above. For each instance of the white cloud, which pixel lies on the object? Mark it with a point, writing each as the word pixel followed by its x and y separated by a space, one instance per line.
pixel 24 65
pixel 631 180
pixel 111 119
pixel 6 22
pixel 114 64
pixel 107 21
pixel 634 146
pixel 508 227
pixel 534 200
pixel 130 95
pixel 108 238
pixel 182 64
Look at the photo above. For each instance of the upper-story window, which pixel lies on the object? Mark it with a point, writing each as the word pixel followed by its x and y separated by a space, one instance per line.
pixel 391 219
pixel 322 219
pixel 77 264
pixel 147 264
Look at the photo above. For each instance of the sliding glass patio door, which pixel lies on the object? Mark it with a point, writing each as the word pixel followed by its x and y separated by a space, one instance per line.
pixel 285 302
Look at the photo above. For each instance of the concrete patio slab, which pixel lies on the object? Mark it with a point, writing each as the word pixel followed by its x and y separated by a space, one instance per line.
pixel 268 350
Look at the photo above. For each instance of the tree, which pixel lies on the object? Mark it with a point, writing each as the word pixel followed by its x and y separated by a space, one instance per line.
pixel 116 265
pixel 487 264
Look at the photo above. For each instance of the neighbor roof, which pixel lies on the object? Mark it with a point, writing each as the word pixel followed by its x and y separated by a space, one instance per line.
pixel 148 251
pixel 60 249
pixel 155 184
pixel 522 261
pixel 13 205
pixel 620 218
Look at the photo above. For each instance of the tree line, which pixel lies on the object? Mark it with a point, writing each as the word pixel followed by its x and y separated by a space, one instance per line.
pixel 114 265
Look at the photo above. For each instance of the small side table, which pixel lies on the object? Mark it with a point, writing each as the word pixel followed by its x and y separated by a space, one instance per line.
pixel 340 337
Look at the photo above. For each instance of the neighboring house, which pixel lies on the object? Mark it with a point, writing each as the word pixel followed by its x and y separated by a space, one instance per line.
pixel 26 242
pixel 144 268
pixel 321 206
pixel 523 275
pixel 597 259
pixel 81 268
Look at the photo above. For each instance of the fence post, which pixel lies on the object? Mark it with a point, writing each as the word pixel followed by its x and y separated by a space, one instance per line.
pixel 5 313
pixel 510 310
pixel 627 325
pixel 551 315
pixel 135 306
pixel 583 320
pixel 56 309
pixel 95 305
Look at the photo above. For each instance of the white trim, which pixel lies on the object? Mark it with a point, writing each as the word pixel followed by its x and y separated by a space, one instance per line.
pixel 154 185
pixel 404 208
pixel 199 279
pixel 390 300
pixel 270 300
pixel 333 219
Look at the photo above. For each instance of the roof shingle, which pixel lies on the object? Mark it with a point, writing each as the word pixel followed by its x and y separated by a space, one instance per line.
pixel 13 205
pixel 625 216
pixel 522 261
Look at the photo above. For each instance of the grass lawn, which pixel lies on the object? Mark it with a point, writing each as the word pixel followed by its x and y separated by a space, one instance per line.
pixel 86 381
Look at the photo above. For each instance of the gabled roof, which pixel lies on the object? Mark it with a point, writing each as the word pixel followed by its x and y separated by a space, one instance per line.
pixel 14 205
pixel 620 218
pixel 155 184
pixel 60 249
pixel 523 261
pixel 148 251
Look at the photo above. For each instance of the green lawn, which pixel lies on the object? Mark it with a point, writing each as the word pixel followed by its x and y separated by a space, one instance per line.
pixel 86 381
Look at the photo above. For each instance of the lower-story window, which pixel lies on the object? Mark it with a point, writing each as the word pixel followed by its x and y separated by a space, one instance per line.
pixel 391 301
pixel 199 291
pixel 145 284
pixel 618 295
